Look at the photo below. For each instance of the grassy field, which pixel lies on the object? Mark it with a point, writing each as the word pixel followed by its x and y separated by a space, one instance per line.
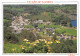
pixel 11 48
pixel 28 26
pixel 41 26
pixel 67 31
pixel 57 26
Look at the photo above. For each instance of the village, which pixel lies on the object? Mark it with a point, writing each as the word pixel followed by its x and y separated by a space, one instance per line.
pixel 19 23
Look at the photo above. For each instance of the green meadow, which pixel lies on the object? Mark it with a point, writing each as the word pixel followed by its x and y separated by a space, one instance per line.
pixel 67 31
